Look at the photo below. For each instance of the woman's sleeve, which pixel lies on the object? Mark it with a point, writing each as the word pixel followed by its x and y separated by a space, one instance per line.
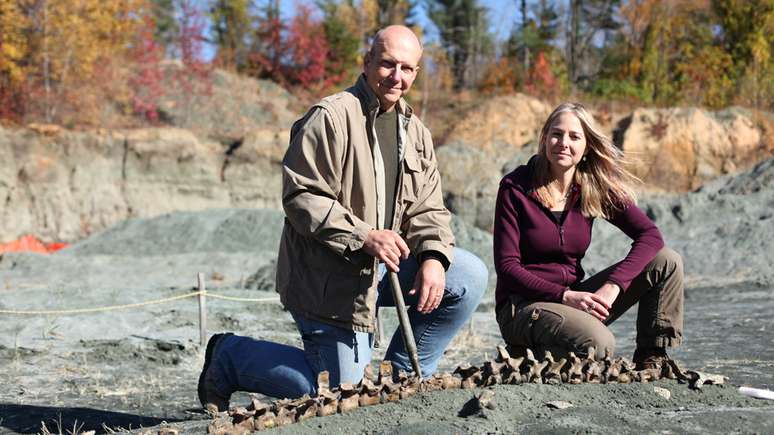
pixel 647 241
pixel 507 254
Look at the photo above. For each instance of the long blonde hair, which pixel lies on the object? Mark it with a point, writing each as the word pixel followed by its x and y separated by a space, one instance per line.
pixel 605 184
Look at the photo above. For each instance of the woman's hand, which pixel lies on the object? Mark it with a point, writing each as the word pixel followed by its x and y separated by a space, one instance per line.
pixel 609 292
pixel 592 303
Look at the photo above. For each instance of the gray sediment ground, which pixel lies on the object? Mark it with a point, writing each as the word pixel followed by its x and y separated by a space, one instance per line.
pixel 138 366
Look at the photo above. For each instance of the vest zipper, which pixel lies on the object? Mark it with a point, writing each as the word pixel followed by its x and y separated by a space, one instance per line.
pixel 561 235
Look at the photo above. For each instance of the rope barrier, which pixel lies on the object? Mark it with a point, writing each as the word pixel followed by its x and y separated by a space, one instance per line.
pixel 232 298
pixel 136 305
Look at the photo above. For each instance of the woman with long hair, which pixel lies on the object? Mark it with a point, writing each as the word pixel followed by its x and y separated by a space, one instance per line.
pixel 543 220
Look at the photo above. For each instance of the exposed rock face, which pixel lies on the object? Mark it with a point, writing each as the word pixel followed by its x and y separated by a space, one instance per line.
pixel 679 149
pixel 502 125
pixel 66 185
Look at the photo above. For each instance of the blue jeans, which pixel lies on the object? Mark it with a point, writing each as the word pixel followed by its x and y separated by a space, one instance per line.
pixel 278 370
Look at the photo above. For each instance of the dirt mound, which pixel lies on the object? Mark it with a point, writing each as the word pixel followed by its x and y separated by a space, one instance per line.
pixel 215 230
pixel 715 229
pixel 228 107
pixel 758 179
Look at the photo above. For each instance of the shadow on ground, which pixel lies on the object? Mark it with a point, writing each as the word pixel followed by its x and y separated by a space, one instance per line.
pixel 29 419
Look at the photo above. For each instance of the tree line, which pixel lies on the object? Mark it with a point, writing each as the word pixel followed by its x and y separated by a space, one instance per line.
pixel 60 59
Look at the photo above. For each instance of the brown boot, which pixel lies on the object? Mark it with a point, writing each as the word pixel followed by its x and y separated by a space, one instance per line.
pixel 650 358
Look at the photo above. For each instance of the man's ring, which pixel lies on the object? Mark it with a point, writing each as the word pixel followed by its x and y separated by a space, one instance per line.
pixel 590 308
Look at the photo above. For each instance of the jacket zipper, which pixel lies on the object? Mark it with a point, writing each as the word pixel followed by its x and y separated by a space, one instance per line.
pixel 561 235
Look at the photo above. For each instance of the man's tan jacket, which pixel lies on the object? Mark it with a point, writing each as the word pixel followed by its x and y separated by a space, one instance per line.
pixel 333 195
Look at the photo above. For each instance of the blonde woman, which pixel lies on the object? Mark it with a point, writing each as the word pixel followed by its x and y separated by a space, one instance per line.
pixel 543 220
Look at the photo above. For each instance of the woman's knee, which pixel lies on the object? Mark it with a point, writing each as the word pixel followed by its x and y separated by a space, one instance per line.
pixel 603 341
pixel 599 337
pixel 668 259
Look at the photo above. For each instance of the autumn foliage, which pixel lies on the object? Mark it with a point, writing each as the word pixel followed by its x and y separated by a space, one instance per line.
pixel 115 63
pixel 147 76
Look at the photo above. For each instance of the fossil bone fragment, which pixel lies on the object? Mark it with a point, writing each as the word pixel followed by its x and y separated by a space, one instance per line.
pixel 534 368
pixel 369 393
pixel 450 382
pixel 648 375
pixel 328 401
pixel 477 405
pixel 611 368
pixel 385 373
pixel 306 407
pixel 471 375
pixel 434 383
pixel 502 353
pixel 285 416
pixel 511 373
pixel 491 373
pixel 241 418
pixel 350 399
pixel 592 372
pixel 390 390
pixel 553 372
pixel 699 379
pixel 409 385
pixel 575 369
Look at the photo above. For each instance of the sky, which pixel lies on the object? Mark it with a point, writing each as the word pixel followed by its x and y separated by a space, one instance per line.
pixel 502 15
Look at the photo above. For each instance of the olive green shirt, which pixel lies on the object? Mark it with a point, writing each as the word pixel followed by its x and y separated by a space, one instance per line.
pixel 386 127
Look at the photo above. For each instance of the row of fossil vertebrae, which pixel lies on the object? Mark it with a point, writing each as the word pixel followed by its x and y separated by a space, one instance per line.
pixel 504 369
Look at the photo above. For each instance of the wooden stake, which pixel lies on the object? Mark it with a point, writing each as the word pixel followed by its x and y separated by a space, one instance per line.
pixel 405 325
pixel 202 311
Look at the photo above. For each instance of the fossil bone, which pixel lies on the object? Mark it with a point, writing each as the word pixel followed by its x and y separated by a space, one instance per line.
pixel 328 400
pixel 350 399
pixel 534 368
pixel 553 372
pixel 471 375
pixel 503 369
pixel 575 369
pixel 369 393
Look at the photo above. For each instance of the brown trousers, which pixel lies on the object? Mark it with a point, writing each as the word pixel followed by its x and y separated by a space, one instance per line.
pixel 559 328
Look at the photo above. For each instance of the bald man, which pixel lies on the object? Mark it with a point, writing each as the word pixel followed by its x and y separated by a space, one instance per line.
pixel 362 195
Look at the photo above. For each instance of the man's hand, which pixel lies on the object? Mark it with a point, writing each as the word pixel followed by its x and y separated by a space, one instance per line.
pixel 592 303
pixel 430 281
pixel 387 246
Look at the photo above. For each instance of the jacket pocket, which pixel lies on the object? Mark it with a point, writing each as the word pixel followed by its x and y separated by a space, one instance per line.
pixel 413 178
pixel 342 295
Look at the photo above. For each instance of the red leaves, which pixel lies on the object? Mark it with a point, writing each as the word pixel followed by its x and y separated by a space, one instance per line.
pixel 292 55
pixel 308 49
pixel 542 80
pixel 146 81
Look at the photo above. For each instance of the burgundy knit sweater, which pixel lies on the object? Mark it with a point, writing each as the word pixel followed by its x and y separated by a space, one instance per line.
pixel 537 255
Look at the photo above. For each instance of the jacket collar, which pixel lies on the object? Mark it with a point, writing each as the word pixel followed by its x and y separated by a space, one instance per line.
pixel 522 180
pixel 370 101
